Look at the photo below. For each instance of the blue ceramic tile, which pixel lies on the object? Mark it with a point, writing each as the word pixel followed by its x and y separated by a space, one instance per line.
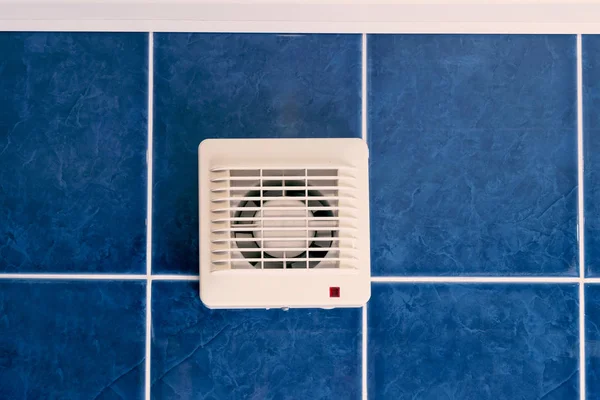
pixel 592 341
pixel 451 342
pixel 591 146
pixel 239 86
pixel 473 150
pixel 199 353
pixel 72 152
pixel 75 340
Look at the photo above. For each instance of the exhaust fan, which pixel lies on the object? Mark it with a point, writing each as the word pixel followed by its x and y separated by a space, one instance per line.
pixel 284 223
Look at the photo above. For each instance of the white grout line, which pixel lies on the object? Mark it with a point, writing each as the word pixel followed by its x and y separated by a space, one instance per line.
pixel 149 161
pixel 374 279
pixel 149 154
pixel 364 137
pixel 473 279
pixel 580 165
pixel 194 278
pixel 581 221
pixel 364 353
pixel 77 277
pixel 148 336
pixel 582 341
pixel 364 88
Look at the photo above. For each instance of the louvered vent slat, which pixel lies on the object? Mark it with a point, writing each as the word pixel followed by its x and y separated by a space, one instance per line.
pixel 291 207
pixel 278 239
pixel 289 218
pixel 221 179
pixel 225 251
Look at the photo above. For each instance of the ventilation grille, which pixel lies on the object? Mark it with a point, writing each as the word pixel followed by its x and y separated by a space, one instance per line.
pixel 283 218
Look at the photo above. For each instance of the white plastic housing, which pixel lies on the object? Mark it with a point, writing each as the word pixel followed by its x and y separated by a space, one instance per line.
pixel 284 223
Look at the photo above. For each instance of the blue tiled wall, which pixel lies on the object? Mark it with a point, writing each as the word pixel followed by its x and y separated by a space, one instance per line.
pixel 473 341
pixel 474 173
pixel 73 125
pixel 473 146
pixel 239 86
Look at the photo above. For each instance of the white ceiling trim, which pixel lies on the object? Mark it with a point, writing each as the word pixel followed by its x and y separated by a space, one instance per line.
pixel 299 16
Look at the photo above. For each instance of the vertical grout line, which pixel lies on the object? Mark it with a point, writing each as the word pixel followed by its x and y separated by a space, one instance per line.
pixel 581 221
pixel 364 137
pixel 364 353
pixel 149 153
pixel 582 361
pixel 148 336
pixel 364 88
pixel 149 158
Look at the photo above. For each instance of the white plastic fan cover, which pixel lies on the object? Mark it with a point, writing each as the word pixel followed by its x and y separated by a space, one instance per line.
pixel 284 223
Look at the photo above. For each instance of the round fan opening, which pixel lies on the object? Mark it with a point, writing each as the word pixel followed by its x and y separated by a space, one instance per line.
pixel 303 233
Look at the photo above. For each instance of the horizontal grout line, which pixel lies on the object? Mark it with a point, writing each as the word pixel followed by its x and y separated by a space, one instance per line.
pixel 374 279
pixel 101 277
pixel 175 277
pixel 473 279
pixel 78 277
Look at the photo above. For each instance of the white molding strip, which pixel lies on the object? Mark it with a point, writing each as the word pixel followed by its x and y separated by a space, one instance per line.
pixel 341 16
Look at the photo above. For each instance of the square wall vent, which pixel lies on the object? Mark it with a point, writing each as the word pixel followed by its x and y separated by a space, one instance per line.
pixel 284 223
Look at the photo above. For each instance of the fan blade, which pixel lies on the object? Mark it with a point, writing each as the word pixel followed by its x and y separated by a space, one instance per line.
pixel 317 254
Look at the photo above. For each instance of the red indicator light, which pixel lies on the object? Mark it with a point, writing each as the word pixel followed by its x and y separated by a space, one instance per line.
pixel 334 292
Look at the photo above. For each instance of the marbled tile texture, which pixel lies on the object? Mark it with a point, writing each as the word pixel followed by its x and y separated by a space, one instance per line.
pixel 73 137
pixel 473 145
pixel 592 341
pixel 591 134
pixel 239 86
pixel 203 354
pixel 72 340
pixel 453 342
pixel 473 171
